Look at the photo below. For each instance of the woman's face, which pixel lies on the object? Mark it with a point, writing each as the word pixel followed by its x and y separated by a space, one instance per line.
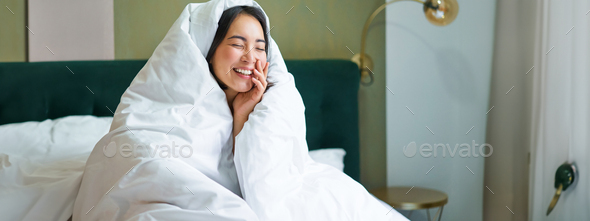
pixel 235 58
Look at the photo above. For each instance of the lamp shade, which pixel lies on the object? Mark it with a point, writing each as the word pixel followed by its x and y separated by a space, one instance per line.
pixel 441 12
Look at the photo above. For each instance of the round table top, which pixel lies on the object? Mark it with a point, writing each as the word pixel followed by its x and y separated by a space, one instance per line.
pixel 411 198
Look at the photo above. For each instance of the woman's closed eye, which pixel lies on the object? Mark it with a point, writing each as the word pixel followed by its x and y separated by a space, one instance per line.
pixel 241 46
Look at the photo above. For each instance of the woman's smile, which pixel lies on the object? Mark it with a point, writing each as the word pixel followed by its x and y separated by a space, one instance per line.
pixel 244 73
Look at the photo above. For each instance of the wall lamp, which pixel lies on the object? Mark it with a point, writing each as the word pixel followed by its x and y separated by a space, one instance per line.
pixel 437 12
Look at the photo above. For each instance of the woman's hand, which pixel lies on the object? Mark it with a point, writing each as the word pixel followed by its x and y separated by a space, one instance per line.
pixel 244 102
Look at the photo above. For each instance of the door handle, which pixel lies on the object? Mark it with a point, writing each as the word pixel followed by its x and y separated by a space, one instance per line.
pixel 565 176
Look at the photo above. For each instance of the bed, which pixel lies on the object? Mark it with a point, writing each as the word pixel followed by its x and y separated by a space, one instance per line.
pixel 43 91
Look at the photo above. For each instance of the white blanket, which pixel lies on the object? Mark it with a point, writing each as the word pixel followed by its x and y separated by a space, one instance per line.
pixel 168 153
pixel 41 165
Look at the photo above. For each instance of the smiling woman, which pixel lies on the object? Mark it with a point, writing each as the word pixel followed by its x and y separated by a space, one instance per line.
pixel 237 60
pixel 239 44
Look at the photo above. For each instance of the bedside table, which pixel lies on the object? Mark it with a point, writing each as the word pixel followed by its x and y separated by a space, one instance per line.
pixel 412 198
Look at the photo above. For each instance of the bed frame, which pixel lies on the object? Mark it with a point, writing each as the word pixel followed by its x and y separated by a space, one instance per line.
pixel 49 90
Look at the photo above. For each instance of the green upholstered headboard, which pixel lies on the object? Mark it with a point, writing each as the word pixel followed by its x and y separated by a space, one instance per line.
pixel 49 90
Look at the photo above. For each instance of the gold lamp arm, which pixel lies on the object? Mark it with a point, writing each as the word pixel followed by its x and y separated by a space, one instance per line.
pixel 439 12
pixel 360 59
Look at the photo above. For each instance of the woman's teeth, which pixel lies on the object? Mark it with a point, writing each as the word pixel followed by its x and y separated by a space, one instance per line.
pixel 244 72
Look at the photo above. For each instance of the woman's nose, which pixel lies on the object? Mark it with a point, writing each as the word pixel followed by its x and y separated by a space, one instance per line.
pixel 249 56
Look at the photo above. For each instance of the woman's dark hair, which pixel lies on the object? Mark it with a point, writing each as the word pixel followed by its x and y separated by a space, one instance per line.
pixel 227 18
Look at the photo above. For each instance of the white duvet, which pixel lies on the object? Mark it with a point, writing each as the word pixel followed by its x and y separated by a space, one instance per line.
pixel 41 165
pixel 168 153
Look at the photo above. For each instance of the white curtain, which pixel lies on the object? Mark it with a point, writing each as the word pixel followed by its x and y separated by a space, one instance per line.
pixel 561 108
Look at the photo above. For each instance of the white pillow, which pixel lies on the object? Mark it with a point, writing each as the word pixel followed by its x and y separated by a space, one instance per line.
pixel 51 140
pixel 331 156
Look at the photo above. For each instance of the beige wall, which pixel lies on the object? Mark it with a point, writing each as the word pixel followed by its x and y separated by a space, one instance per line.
pixel 12 31
pixel 141 25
